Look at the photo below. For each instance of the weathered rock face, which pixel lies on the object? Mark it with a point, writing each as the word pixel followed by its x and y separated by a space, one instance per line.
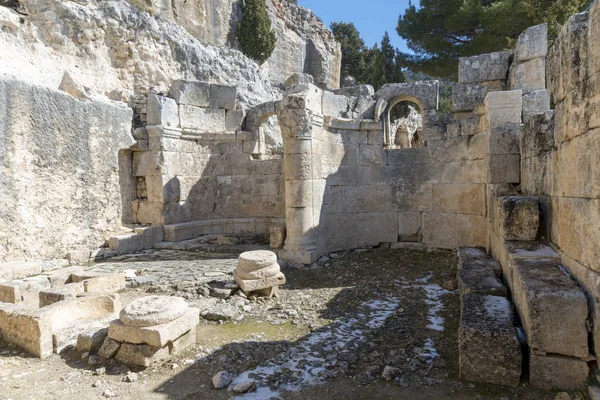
pixel 116 50
pixel 304 44
pixel 59 179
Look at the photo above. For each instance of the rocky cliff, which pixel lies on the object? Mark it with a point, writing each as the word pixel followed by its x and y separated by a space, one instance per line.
pixel 119 48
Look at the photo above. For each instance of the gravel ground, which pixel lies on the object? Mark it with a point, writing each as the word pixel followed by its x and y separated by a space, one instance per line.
pixel 373 324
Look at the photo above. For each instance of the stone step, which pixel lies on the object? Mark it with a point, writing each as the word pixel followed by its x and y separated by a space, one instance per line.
pixel 553 309
pixel 478 273
pixel 555 372
pixel 489 349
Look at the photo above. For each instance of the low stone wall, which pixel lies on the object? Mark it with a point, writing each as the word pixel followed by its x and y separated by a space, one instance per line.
pixel 59 180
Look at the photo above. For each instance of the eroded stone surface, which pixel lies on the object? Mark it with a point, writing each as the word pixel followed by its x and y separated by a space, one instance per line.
pixel 153 310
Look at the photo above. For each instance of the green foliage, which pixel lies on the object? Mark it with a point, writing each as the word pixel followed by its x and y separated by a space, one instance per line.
pixel 254 31
pixel 439 32
pixel 353 49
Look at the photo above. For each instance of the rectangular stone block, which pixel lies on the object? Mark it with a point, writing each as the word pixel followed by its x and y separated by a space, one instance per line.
pixel 257 284
pixel 105 283
pixel 91 340
pixel 517 217
pixel 371 155
pixel 504 139
pixel 439 230
pixel 528 75
pixel 552 307
pixel 480 280
pixel 532 43
pixel 504 168
pixel 335 105
pixel 471 230
pixel 193 93
pixel 477 258
pixel 24 292
pixel 19 269
pixel 126 244
pixel 409 227
pixel 142 355
pixel 377 227
pixel 158 335
pixel 459 198
pixel 484 67
pixel 26 330
pixel 277 236
pixel 162 111
pixel 150 235
pixel 202 119
pixel 557 372
pixel 233 120
pixel 503 107
pixel 183 342
pixel 467 96
pixel 64 292
pixel 536 102
pixel 222 96
pixel 146 163
pixel 340 231
pixel 489 349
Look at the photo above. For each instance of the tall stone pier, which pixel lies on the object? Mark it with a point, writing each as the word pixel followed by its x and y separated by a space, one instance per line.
pixel 301 120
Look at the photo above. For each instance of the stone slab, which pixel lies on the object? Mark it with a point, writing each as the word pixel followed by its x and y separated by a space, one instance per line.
pixel 19 269
pixel 142 355
pixel 553 309
pixel 91 340
pixel 480 281
pixel 222 96
pixel 25 291
pixel 517 218
pixel 476 257
pixel 556 372
pixel 126 244
pixel 158 335
pixel 194 93
pixel 183 342
pixel 162 111
pixel 105 283
pixel 484 67
pixel 257 284
pixel 489 349
pixel 532 43
pixel 53 295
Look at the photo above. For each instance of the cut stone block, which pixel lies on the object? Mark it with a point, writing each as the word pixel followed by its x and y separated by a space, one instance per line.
pixel 476 257
pixel 528 75
pixel 459 198
pixel 183 342
pixel 69 335
pixel 377 227
pixel 53 295
pixel 33 330
pixel 202 119
pixel 484 67
pixel 153 310
pixel 222 96
pixel 467 96
pixel 150 235
pixel 556 372
pixel 517 218
pixel 105 283
pixel 193 93
pixel 233 120
pixel 257 284
pixel 158 335
pixel 532 43
pixel 24 292
pixel 480 281
pixel 109 348
pixel 126 244
pixel 62 276
pixel 489 349
pixel 552 307
pixel 409 226
pixel 504 139
pixel 504 168
pixel 162 111
pixel 91 340
pixel 141 354
pixel 536 102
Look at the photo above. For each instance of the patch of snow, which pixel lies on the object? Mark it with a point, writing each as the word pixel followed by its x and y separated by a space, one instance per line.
pixel 429 351
pixel 306 364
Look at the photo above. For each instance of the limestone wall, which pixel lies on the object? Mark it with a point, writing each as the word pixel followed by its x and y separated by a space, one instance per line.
pixel 59 179
pixel 193 162
pixel 560 152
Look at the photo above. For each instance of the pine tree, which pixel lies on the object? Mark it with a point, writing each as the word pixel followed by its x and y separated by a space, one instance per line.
pixel 254 31
pixel 353 50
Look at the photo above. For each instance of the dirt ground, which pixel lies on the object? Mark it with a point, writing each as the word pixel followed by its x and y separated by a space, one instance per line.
pixel 383 308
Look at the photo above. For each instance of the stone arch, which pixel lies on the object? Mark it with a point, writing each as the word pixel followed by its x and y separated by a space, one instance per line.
pixel 255 119
pixel 425 94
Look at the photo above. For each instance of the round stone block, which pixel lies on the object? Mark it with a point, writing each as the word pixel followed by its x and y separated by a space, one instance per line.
pixel 265 272
pixel 255 260
pixel 153 310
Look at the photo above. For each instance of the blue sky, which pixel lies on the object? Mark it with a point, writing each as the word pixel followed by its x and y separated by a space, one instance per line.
pixel 372 18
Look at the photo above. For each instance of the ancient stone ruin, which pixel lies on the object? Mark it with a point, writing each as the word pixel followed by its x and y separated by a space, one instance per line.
pixel 182 144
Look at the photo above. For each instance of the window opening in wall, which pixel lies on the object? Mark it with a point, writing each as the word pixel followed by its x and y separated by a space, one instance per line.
pixel 406 125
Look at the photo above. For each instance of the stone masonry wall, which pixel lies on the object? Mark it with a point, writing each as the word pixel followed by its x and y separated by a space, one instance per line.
pixel 59 180
pixel 560 153
pixel 193 162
